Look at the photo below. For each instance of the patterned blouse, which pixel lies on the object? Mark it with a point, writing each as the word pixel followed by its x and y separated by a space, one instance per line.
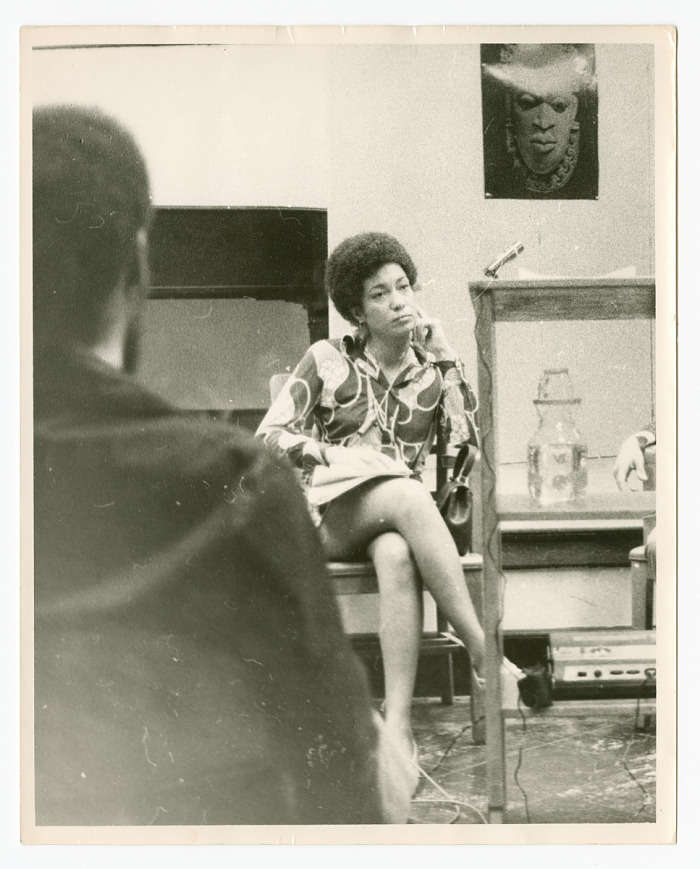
pixel 339 396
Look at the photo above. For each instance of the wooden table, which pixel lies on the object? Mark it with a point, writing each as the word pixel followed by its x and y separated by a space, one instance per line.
pixel 509 301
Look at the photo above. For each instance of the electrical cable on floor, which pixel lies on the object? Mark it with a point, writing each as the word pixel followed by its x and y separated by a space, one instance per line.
pixel 452 744
pixel 519 764
pixel 636 711
pixel 448 799
pixel 647 797
pixel 650 674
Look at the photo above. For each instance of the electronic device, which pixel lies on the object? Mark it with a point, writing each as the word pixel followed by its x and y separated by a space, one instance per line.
pixel 604 662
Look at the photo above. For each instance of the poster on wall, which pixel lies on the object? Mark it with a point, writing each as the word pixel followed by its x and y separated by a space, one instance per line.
pixel 540 121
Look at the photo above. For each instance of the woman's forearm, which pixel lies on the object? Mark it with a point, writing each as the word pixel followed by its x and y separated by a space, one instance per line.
pixel 285 425
pixel 458 407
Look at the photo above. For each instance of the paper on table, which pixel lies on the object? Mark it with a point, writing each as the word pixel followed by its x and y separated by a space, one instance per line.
pixel 328 483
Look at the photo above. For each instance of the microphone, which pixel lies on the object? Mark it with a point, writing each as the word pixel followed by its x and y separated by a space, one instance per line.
pixel 507 255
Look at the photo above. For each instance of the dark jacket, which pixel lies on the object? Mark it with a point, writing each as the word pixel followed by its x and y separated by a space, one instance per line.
pixel 190 665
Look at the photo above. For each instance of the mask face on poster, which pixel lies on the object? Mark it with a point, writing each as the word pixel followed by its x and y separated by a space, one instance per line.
pixel 543 125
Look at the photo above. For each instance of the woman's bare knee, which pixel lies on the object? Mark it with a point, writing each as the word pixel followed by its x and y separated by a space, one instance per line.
pixel 394 564
pixel 390 550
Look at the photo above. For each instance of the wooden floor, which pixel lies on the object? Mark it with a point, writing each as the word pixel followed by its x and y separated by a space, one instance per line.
pixel 581 762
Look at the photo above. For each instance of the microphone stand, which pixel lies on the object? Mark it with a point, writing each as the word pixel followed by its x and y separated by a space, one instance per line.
pixel 491 271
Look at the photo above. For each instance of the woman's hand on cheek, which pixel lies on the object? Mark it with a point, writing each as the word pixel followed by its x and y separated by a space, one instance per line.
pixel 430 333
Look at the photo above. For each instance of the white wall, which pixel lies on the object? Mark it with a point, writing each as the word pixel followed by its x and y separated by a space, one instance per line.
pixel 233 125
pixel 389 137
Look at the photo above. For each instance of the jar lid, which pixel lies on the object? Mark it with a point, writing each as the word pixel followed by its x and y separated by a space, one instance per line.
pixel 555 386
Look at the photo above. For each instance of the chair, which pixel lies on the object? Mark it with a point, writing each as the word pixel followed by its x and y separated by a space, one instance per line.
pixel 359 577
pixel 643 578
pixel 643 589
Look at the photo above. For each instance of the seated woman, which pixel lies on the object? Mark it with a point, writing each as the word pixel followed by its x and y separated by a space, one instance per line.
pixel 373 402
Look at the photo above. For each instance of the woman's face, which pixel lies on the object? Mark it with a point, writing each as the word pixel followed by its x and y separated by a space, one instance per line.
pixel 387 303
pixel 543 125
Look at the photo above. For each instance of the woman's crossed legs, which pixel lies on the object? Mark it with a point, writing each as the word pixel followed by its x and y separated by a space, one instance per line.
pixel 395 522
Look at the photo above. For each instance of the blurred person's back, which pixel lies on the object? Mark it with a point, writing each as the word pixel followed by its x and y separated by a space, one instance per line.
pixel 190 665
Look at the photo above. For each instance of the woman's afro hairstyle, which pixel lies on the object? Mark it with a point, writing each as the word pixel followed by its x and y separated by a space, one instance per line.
pixel 358 258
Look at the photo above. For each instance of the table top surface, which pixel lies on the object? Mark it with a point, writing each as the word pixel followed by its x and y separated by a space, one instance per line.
pixel 603 505
pixel 592 506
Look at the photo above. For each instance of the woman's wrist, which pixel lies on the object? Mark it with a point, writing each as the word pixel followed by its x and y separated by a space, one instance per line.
pixel 444 353
pixel 447 364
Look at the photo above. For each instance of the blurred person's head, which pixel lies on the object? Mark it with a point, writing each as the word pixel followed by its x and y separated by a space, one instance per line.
pixel 91 214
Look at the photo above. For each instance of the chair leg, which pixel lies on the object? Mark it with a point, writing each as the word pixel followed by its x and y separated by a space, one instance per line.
pixel 477 705
pixel 649 600
pixel 639 594
pixel 448 692
pixel 478 712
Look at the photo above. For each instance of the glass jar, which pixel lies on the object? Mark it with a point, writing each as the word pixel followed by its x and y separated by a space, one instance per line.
pixel 556 453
